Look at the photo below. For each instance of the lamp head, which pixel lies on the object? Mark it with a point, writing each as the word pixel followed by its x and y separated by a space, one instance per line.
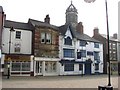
pixel 89 1
pixel 12 29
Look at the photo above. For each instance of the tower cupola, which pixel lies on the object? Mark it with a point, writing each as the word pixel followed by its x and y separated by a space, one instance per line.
pixel 71 15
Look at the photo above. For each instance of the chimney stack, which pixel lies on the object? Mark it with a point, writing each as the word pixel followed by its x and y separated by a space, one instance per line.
pixel 47 19
pixel 115 35
pixel 79 28
pixel 95 31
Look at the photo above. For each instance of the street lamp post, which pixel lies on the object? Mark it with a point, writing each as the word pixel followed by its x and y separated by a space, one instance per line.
pixel 109 81
pixel 8 63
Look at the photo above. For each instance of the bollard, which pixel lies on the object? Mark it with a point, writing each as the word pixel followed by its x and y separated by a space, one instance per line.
pixel 105 88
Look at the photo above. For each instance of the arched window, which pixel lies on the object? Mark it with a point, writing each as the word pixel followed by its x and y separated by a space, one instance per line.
pixel 68 41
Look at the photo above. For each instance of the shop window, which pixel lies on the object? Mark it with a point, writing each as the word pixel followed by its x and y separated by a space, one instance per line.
pixel 20 66
pixel 69 67
pixel 50 67
pixel 16 66
pixel 18 34
pixel 26 66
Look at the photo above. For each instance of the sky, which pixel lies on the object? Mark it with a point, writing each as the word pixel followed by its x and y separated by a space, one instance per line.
pixel 90 14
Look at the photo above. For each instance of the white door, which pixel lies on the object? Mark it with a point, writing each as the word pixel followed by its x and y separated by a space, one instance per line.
pixel 38 67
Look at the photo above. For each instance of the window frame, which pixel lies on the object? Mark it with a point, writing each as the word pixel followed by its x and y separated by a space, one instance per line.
pixel 97 57
pixel 67 41
pixel 18 35
pixel 21 69
pixel 96 66
pixel 83 43
pixel 83 53
pixel 96 45
pixel 68 53
pixel 69 67
pixel 46 38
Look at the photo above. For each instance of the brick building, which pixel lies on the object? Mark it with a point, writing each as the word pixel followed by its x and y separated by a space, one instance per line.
pixel 113 49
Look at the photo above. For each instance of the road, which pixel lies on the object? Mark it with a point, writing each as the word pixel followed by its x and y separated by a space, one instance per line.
pixel 92 81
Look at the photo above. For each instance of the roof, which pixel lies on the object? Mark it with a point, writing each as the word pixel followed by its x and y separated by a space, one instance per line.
pixel 17 25
pixel 41 24
pixel 63 29
pixel 111 38
pixel 85 37
pixel 71 8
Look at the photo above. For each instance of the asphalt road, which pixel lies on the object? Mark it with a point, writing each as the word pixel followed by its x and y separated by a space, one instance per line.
pixel 92 81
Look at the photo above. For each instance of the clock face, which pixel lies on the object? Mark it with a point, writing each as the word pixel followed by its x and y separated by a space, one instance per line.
pixel 89 1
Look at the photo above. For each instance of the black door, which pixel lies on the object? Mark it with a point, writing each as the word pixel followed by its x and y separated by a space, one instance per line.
pixel 88 68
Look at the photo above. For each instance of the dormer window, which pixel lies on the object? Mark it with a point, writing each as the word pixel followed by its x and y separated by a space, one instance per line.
pixel 68 41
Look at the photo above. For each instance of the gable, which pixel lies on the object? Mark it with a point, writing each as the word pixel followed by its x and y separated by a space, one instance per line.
pixel 68 33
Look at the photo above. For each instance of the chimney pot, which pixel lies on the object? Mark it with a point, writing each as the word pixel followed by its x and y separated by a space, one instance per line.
pixel 95 31
pixel 47 19
pixel 79 28
pixel 115 35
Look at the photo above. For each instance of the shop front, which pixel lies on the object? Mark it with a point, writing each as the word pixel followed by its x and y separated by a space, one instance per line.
pixel 114 67
pixel 46 66
pixel 18 65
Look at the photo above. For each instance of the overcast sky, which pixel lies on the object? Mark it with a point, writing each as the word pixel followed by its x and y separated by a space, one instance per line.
pixel 91 14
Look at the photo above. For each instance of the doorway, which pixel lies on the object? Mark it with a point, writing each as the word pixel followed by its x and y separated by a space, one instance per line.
pixel 38 67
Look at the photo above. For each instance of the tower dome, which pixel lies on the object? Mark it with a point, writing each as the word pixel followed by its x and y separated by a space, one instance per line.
pixel 71 8
pixel 71 15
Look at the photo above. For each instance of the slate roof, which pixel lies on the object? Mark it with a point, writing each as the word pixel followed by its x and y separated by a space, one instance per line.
pixel 63 29
pixel 41 24
pixel 17 25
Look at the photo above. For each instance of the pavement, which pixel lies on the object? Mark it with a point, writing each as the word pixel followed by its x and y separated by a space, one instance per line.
pixel 86 81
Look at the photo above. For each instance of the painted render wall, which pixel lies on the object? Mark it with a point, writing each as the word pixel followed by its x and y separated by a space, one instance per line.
pixel 25 41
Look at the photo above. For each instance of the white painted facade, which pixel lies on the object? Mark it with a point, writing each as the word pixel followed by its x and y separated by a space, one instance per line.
pixel 24 44
pixel 25 41
pixel 76 46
